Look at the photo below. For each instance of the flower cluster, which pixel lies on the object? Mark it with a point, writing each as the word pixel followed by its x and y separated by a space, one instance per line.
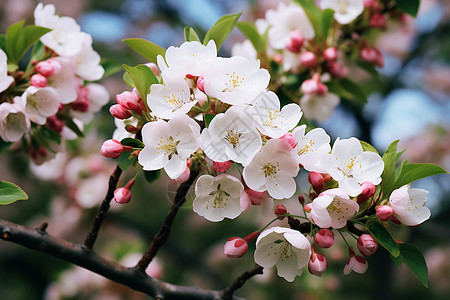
pixel 52 98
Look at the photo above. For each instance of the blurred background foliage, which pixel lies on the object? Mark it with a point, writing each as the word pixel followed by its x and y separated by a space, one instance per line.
pixel 410 102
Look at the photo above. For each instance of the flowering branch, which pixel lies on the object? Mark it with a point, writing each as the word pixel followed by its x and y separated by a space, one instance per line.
pixel 164 231
pixel 240 281
pixel 40 240
pixel 92 235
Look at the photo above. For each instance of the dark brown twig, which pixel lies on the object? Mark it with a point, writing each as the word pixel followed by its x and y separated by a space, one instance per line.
pixel 112 185
pixel 164 231
pixel 240 281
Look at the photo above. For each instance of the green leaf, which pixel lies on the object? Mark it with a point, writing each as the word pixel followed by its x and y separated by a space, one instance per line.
pixel 38 51
pixel 414 260
pixel 410 7
pixel 413 172
pixel 151 176
pixel 354 89
pixel 145 48
pixel 4 145
pixel 388 176
pixel 368 147
pixel 12 35
pixel 9 193
pixel 50 135
pixel 221 29
pixel 397 260
pixel 29 35
pixel 142 77
pixel 135 143
pixel 126 77
pixel 383 237
pixel 327 21
pixel 190 35
pixel 208 119
pixel 368 67
pixel 111 67
pixel 72 126
pixel 126 160
pixel 252 34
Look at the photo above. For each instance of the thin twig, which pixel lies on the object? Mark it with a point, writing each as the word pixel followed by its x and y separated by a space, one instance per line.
pixel 240 281
pixel 164 231
pixel 74 253
pixel 92 235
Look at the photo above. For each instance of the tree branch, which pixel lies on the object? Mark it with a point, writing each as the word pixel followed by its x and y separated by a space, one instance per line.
pixel 240 281
pixel 164 231
pixel 40 240
pixel 112 185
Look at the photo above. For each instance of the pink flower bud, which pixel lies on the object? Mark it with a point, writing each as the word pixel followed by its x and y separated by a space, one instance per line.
pixel 256 198
pixel 235 247
pixel 280 210
pixel 221 166
pixel 314 86
pixel 317 264
pixel 301 199
pixel 131 129
pixel 53 123
pixel 56 66
pixel 295 42
pixel 368 190
pixel 315 178
pixel 308 207
pixel 45 68
pixel 123 195
pixel 190 76
pixel 372 55
pixel 289 139
pixel 308 59
pixel 367 245
pixel 384 212
pixel 201 83
pixel 129 100
pixel 38 80
pixel 119 112
pixel 378 21
pixel 355 263
pixel 111 148
pixel 369 3
pixel 336 69
pixel 183 177
pixel 278 58
pixel 81 105
pixel 330 54
pixel 324 238
pixel 154 68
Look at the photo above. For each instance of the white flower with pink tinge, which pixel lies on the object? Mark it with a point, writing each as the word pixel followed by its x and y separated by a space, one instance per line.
pixel 219 197
pixel 270 119
pixel 97 96
pixel 284 20
pixel 168 145
pixel 332 208
pixel 349 165
pixel 273 169
pixel 309 146
pixel 5 80
pixel 64 80
pixel 345 11
pixel 409 205
pixel 236 80
pixel 287 249
pixel 40 103
pixel 87 60
pixel 191 58
pixel 171 99
pixel 14 122
pixel 319 107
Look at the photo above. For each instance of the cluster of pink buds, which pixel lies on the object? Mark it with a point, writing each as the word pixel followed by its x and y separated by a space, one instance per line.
pixel 128 103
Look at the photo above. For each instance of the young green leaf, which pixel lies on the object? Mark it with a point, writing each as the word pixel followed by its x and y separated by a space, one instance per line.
pixel 208 119
pixel 142 77
pixel 412 172
pixel 190 35
pixel 414 260
pixel 135 143
pixel 12 35
pixel 388 176
pixel 72 126
pixel 9 193
pixel 126 160
pixel 354 89
pixel 111 67
pixel 221 29
pixel 327 21
pixel 369 68
pixel 145 48
pixel 252 34
pixel 151 176
pixel 29 35
pixel 410 7
pixel 127 79
pixel 383 237
pixel 368 147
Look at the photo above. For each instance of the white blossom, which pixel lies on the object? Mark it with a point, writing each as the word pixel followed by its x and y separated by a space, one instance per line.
pixel 345 11
pixel 270 119
pixel 65 82
pixel 87 61
pixel 287 249
pixel 219 197
pixel 332 208
pixel 319 107
pixel 309 146
pixel 244 49
pixel 169 144
pixel 273 169
pixel 349 165
pixel 13 121
pixel 409 205
pixel 5 80
pixel 40 103
pixel 231 135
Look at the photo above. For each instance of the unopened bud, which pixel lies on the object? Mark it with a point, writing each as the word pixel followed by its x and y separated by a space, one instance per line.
pixel 301 199
pixel 122 195
pixel 38 80
pixel 336 69
pixel 373 56
pixel 81 105
pixel 308 207
pixel 221 166
pixel 330 54
pixel 256 198
pixel 280 210
pixel 378 21
pixel 45 68
pixel 308 59
pixel 314 86
pixel 295 41
pixel 317 264
pixel 201 83
pixel 289 139
pixel 53 123
pixel 316 179
pixel 235 247
pixel 111 148
pixel 324 238
pixel 384 213
pixel 129 100
pixel 131 129
pixel 355 263
pixel 368 190
pixel 119 112
pixel 367 245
